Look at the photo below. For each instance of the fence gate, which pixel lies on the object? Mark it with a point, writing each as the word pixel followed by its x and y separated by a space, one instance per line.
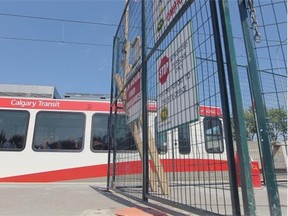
pixel 182 84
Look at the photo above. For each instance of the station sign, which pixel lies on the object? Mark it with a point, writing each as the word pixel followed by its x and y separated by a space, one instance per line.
pixel 133 98
pixel 176 82
pixel 163 14
pixel 133 103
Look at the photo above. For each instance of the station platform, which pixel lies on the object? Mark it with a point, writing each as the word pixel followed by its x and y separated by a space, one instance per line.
pixel 92 199
pixel 73 199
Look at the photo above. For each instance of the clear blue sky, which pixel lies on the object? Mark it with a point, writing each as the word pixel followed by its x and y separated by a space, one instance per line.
pixel 82 68
pixel 68 67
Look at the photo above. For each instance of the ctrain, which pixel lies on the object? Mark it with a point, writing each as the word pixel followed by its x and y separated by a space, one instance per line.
pixel 61 140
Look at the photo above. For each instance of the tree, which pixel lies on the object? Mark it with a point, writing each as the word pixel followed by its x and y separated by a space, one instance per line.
pixel 250 124
pixel 277 123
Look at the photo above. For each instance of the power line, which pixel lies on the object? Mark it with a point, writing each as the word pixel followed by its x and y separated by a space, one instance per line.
pixel 61 20
pixel 53 41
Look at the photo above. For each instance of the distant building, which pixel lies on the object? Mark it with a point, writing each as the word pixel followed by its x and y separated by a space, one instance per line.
pixel 40 91
pixel 83 96
pixel 37 91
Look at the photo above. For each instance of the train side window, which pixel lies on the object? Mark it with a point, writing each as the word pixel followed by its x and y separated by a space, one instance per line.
pixel 161 139
pixel 100 131
pixel 13 129
pixel 59 131
pixel 123 138
pixel 213 135
pixel 184 139
pixel 122 134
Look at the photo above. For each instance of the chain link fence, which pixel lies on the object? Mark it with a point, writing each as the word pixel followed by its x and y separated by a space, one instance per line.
pixel 167 86
pixel 268 27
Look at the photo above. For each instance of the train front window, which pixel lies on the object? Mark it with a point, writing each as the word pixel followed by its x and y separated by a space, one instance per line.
pixel 13 129
pixel 213 135
pixel 123 139
pixel 59 131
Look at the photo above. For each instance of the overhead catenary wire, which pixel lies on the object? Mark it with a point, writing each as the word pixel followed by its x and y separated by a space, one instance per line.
pixel 94 23
pixel 54 41
pixel 81 22
pixel 59 20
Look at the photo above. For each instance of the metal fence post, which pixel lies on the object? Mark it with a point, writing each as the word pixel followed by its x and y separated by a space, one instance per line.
pixel 109 123
pixel 238 114
pixel 272 188
pixel 226 112
pixel 144 108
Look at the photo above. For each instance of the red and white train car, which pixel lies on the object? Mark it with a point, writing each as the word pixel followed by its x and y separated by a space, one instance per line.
pixel 50 140
pixel 47 140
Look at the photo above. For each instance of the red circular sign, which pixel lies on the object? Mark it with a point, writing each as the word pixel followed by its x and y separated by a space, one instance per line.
pixel 163 69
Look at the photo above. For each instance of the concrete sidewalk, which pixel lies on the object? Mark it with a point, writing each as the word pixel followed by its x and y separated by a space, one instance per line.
pixel 84 199
pixel 67 199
